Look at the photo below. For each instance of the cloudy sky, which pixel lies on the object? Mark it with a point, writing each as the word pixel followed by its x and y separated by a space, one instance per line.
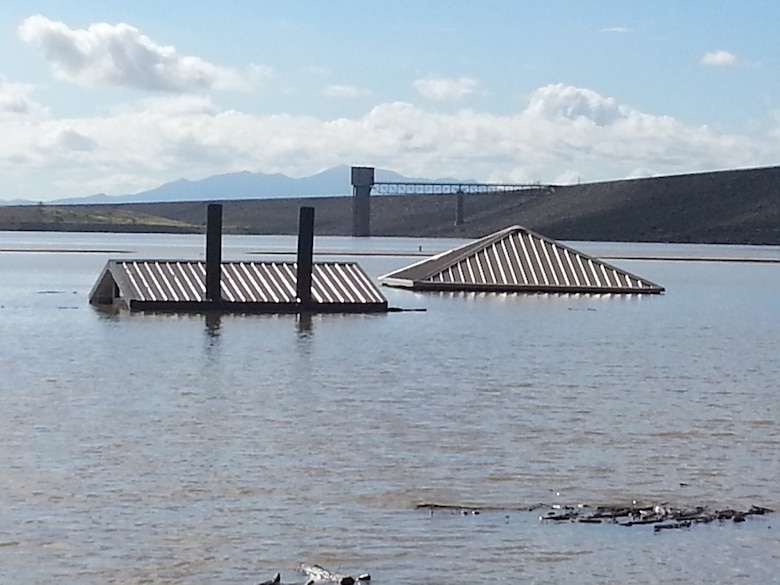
pixel 119 97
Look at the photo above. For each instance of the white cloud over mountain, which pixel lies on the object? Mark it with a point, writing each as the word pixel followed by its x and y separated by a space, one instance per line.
pixel 62 134
pixel 562 134
pixel 105 55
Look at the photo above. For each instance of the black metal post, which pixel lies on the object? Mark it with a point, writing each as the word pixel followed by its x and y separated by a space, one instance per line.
pixel 305 256
pixel 214 252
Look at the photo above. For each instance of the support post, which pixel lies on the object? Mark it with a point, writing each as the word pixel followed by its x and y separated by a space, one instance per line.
pixel 214 253
pixel 362 182
pixel 305 256
pixel 459 209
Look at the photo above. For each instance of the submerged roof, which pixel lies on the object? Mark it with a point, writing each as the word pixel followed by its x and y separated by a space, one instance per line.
pixel 517 260
pixel 259 286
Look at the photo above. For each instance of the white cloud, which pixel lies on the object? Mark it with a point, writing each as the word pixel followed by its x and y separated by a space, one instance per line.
pixel 261 73
pixel 568 177
pixel 344 91
pixel 317 71
pixel 119 55
pixel 719 59
pixel 177 106
pixel 15 100
pixel 72 140
pixel 559 100
pixel 617 30
pixel 446 89
pixel 118 183
pixel 563 134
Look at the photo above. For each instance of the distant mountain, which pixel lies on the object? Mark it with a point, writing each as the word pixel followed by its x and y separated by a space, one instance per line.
pixel 18 202
pixel 246 185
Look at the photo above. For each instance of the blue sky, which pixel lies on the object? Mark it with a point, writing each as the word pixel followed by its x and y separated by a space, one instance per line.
pixel 119 97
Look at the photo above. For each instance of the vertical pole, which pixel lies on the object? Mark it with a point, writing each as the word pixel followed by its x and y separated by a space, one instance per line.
pixel 305 256
pixel 362 182
pixel 459 209
pixel 214 252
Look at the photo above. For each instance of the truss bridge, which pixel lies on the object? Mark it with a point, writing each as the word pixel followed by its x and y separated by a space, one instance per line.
pixel 427 188
pixel 363 186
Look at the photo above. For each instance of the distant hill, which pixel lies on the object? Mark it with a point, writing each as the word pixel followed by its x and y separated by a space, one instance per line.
pixel 725 207
pixel 242 185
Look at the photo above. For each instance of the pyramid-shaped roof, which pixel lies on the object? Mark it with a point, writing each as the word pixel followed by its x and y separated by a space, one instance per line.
pixel 518 260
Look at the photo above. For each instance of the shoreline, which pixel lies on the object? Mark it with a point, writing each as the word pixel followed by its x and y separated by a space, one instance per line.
pixel 402 254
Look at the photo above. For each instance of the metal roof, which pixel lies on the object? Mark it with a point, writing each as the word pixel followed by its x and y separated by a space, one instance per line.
pixel 518 260
pixel 171 284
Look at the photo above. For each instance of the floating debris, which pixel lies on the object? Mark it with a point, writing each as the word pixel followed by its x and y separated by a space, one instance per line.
pixel 662 516
pixel 476 510
pixel 319 575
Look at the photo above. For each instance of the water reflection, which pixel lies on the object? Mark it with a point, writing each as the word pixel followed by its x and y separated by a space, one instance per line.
pixel 107 312
pixel 213 323
pixel 303 322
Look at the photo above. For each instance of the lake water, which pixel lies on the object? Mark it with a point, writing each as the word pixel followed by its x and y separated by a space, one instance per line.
pixel 172 449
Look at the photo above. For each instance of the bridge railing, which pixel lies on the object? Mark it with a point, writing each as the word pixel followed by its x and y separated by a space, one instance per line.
pixel 409 188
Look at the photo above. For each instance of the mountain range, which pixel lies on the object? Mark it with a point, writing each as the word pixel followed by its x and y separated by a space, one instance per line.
pixel 244 185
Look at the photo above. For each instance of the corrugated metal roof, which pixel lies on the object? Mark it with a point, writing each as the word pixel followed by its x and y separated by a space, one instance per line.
pixel 516 259
pixel 246 283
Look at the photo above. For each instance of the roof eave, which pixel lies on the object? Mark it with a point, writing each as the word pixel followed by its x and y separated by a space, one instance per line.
pixel 531 288
pixel 256 308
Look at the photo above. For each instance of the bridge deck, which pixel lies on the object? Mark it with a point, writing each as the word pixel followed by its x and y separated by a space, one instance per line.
pixel 410 188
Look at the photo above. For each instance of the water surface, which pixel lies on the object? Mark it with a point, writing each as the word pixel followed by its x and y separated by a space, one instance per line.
pixel 179 449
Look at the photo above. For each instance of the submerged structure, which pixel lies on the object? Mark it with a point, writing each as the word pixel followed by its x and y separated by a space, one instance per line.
pixel 518 260
pixel 239 286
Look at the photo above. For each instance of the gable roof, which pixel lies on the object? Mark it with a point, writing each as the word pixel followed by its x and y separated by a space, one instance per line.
pixel 517 260
pixel 245 286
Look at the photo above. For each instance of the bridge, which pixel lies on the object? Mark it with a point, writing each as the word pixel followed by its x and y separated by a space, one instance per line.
pixel 363 186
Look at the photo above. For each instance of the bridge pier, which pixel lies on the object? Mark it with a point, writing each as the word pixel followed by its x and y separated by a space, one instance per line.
pixel 362 183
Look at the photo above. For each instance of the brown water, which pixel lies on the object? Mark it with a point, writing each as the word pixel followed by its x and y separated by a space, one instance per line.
pixel 170 449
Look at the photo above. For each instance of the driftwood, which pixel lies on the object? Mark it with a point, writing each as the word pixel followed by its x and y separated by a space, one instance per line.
pixel 662 516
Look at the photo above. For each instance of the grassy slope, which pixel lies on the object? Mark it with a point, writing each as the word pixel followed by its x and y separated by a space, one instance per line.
pixel 85 218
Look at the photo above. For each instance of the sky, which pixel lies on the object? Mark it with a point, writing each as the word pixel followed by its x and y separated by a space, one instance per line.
pixel 120 97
